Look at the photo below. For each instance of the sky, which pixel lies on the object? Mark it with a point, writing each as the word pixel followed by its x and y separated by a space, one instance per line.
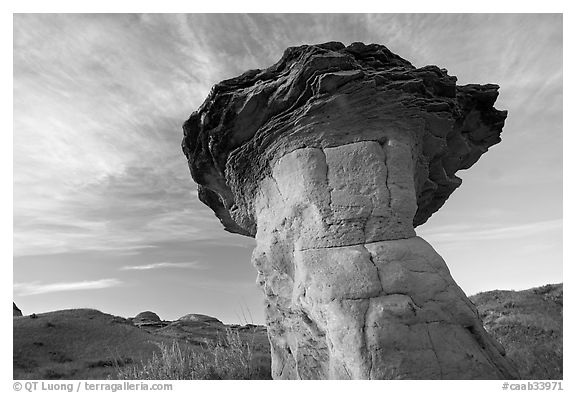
pixel 106 215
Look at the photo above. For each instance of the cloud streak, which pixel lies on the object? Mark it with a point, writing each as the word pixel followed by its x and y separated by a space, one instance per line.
pixel 99 101
pixel 37 288
pixel 165 265
pixel 98 109
pixel 467 233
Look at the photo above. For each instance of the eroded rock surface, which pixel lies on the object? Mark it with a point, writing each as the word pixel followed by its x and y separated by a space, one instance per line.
pixel 329 95
pixel 330 158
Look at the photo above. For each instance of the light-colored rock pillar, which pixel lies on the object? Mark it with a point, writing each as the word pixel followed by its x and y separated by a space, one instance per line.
pixel 330 158
pixel 351 291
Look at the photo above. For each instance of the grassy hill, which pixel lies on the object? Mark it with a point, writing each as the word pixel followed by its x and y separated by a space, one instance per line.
pixel 88 344
pixel 77 344
pixel 529 325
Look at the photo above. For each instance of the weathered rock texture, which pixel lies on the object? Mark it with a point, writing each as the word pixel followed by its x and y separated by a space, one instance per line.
pixel 330 158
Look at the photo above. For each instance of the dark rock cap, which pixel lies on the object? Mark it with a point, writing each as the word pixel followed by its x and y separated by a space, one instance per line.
pixel 327 95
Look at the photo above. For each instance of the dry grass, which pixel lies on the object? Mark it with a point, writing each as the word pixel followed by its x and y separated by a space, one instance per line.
pixel 229 358
pixel 529 326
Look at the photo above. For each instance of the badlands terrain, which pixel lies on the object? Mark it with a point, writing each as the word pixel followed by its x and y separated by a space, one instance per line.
pixel 89 344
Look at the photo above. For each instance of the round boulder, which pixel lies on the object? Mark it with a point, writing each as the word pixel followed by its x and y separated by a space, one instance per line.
pixel 147 316
pixel 199 318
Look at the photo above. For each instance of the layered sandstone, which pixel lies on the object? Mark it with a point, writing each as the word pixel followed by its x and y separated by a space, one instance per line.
pixel 329 159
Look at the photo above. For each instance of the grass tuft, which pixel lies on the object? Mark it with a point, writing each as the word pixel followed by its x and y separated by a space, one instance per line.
pixel 229 358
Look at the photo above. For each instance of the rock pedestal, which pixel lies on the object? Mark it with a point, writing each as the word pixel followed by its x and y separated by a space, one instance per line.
pixel 352 292
pixel 330 158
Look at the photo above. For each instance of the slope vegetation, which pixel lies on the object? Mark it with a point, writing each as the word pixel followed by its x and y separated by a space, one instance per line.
pixel 529 325
pixel 88 344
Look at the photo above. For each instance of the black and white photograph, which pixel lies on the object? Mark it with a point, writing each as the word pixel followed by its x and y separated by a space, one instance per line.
pixel 287 196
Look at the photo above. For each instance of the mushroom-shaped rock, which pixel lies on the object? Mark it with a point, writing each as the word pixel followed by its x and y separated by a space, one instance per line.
pixel 330 158
pixel 199 318
pixel 146 317
pixel 16 310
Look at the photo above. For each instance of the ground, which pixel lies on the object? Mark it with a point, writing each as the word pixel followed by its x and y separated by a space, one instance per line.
pixel 529 326
pixel 89 344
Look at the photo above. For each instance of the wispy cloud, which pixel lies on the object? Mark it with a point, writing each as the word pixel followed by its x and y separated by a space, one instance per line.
pixel 165 265
pixel 468 233
pixel 104 103
pixel 37 288
pixel 102 98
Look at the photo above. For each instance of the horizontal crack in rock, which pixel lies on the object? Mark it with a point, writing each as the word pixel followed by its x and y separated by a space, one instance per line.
pixel 353 244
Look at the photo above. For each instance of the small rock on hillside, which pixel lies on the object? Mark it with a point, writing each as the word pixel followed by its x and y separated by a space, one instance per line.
pixel 199 318
pixel 147 316
pixel 148 319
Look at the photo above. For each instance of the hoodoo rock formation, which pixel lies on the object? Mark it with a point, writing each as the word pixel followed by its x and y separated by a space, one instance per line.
pixel 330 158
